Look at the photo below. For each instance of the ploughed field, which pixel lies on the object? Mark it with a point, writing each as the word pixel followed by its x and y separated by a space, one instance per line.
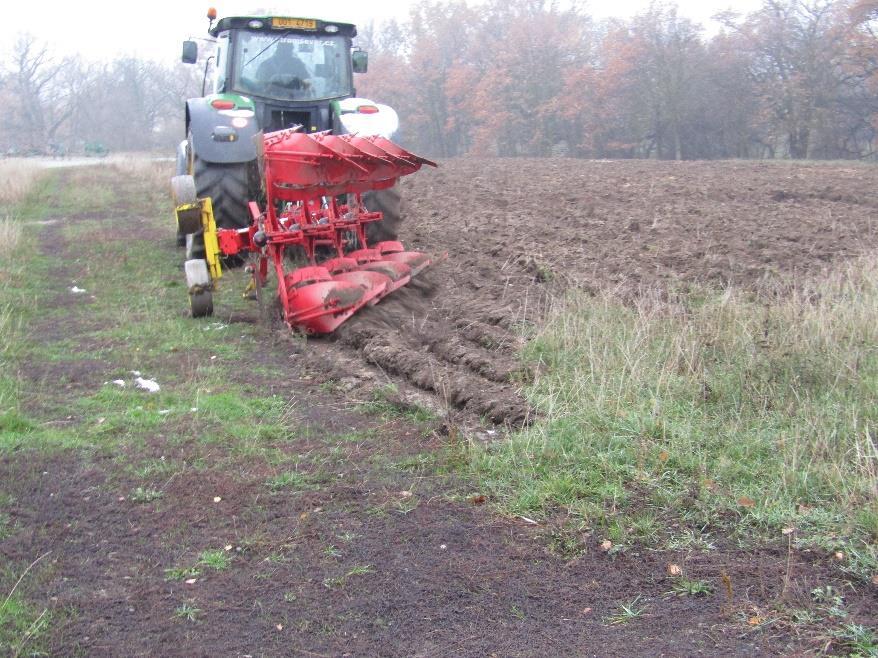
pixel 519 231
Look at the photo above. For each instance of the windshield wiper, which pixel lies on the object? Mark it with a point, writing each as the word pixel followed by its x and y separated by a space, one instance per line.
pixel 279 37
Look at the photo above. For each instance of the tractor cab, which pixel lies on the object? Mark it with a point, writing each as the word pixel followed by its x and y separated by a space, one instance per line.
pixel 292 69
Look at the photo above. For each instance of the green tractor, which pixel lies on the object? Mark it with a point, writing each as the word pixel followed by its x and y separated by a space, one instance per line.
pixel 272 73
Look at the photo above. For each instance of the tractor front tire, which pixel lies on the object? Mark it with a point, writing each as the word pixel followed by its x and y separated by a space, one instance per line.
pixel 389 203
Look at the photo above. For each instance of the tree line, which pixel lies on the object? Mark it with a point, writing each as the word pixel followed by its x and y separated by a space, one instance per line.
pixel 62 104
pixel 793 79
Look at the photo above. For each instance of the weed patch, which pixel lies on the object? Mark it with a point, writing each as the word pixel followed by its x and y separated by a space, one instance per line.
pixel 187 612
pixel 217 559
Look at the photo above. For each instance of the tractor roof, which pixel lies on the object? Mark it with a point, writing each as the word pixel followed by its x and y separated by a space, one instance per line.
pixel 282 23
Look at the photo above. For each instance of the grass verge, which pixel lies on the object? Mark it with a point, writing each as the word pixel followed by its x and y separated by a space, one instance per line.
pixel 67 357
pixel 747 412
pixel 17 186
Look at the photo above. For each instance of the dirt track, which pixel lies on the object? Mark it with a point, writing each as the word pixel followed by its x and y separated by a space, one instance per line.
pixel 519 231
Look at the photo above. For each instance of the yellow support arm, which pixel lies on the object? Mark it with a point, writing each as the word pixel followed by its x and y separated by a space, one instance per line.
pixel 198 216
pixel 211 244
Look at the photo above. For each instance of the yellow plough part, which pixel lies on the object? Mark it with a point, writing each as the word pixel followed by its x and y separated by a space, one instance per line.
pixel 192 217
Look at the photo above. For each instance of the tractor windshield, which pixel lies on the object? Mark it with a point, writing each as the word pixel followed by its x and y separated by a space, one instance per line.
pixel 292 66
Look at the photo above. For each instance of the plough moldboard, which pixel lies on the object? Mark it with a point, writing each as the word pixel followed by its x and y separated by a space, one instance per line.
pixel 313 186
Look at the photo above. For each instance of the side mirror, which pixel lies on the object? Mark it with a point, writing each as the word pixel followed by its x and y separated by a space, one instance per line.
pixel 190 52
pixel 360 61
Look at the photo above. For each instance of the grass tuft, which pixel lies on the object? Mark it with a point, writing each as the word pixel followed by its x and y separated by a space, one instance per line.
pixel 686 587
pixel 142 495
pixel 627 612
pixel 187 611
pixel 857 640
pixel 216 559
pixel 182 573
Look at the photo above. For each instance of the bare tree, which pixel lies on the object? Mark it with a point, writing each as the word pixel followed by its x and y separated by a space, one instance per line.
pixel 47 92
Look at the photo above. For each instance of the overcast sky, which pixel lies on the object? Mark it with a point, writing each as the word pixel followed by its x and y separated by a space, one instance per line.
pixel 98 29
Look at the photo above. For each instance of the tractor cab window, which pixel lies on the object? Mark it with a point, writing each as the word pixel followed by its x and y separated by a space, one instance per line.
pixel 292 67
pixel 222 51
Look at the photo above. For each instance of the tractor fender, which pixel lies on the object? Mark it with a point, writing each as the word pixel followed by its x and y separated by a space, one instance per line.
pixel 214 138
pixel 384 122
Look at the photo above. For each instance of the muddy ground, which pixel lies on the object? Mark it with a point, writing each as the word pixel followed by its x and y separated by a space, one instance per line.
pixel 519 232
pixel 394 555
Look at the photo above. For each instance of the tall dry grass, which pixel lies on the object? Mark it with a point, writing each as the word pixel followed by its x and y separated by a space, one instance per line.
pixel 709 406
pixel 145 167
pixel 17 178
pixel 10 238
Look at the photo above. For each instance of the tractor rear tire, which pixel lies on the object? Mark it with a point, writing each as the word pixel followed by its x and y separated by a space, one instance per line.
pixel 389 203
pixel 230 187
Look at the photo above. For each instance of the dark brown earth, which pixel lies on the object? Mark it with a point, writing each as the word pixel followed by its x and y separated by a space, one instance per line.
pixel 518 232
pixel 447 576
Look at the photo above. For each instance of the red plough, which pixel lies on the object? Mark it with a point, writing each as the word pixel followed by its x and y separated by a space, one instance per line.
pixel 313 187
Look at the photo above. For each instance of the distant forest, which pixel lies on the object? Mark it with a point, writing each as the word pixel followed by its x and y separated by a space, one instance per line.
pixel 795 79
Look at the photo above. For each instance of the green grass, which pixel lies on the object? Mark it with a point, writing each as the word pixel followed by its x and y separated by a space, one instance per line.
pixel 289 480
pixel 187 612
pixel 746 412
pixel 362 570
pixel 857 640
pixel 216 559
pixel 145 495
pixel 686 587
pixel 627 612
pixel 16 310
pixel 182 573
pixel 22 626
pixel 339 581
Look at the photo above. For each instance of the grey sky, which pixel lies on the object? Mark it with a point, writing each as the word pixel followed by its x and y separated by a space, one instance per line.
pixel 98 29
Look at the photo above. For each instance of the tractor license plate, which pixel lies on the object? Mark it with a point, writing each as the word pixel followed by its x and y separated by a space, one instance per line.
pixel 294 23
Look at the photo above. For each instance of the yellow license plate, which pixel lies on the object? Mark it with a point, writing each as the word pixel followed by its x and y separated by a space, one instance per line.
pixel 294 23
